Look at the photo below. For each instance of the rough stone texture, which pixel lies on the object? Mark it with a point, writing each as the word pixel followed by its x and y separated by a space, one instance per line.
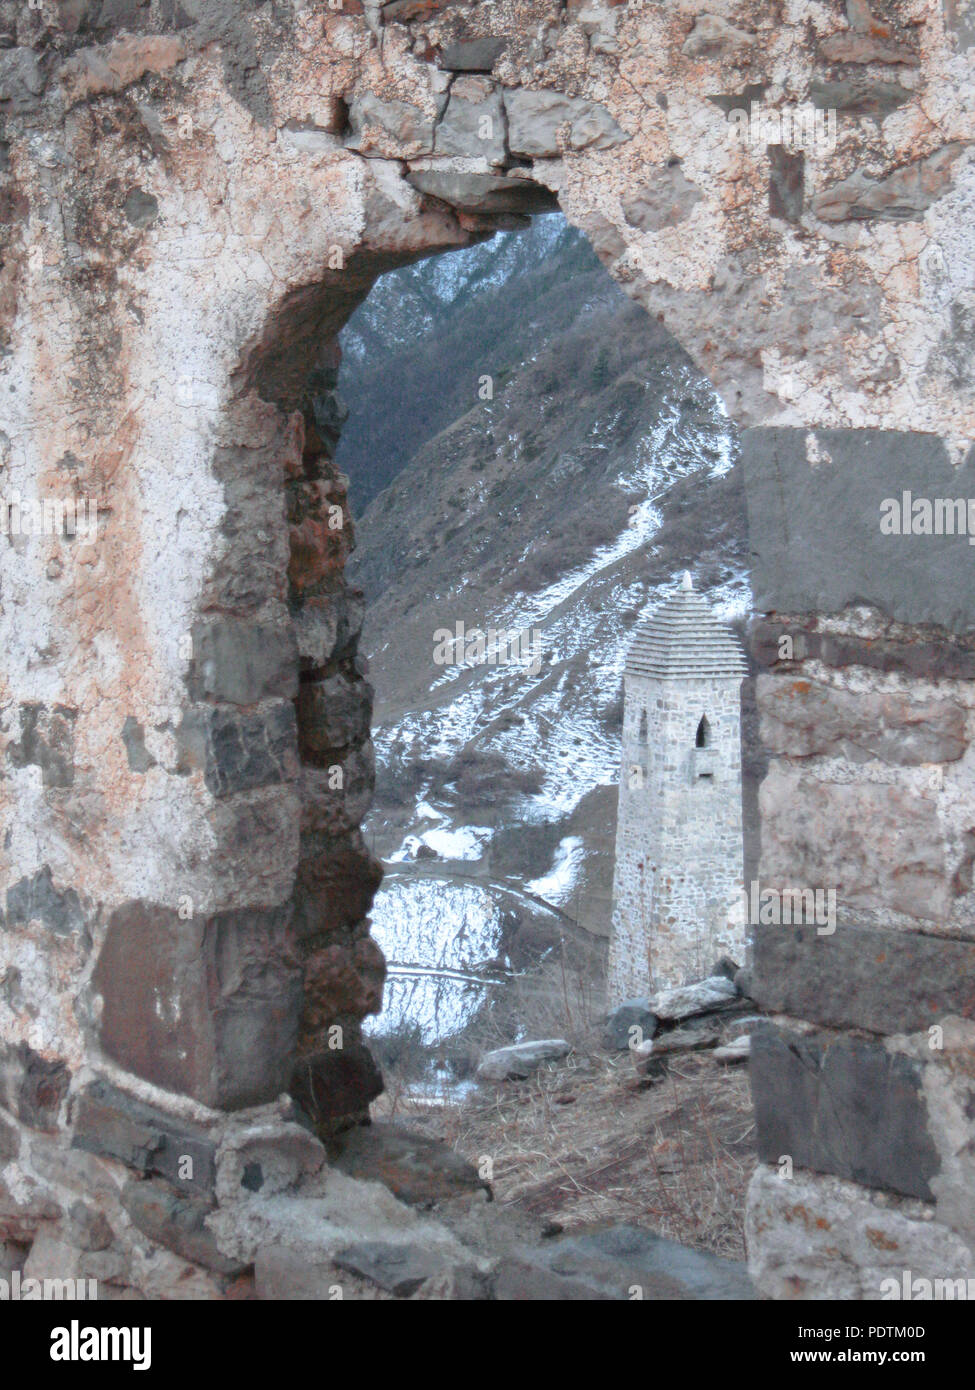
pixel 32 1087
pixel 886 982
pixel 518 1061
pixel 618 1262
pixel 812 1237
pixel 112 1124
pixel 335 1086
pixel 843 1106
pixel 631 1014
pixel 400 1269
pixel 417 1169
pixel 177 1222
pixel 697 998
pixel 242 663
pixel 192 201
pixel 544 124
pixel 802 717
pixel 897 868
pixel 814 506
pixel 224 1034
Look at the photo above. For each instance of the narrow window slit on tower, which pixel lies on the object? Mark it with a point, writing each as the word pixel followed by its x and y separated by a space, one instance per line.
pixel 703 739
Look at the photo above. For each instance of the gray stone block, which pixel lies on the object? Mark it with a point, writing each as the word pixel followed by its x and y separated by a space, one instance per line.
pixel 242 662
pixel 632 1013
pixel 46 741
pixel 538 123
pixel 472 55
pixel 239 752
pixel 886 982
pixel 35 899
pixel 176 1221
pixel 814 529
pixel 399 1269
pixel 207 1007
pixel 613 1262
pixel 112 1124
pixel 32 1087
pixel 844 1106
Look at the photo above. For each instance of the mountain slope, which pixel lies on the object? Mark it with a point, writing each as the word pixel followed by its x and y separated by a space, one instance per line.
pixel 603 466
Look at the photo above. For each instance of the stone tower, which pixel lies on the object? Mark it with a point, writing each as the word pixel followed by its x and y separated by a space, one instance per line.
pixel 677 890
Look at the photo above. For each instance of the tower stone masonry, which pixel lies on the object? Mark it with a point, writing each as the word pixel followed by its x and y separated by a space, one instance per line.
pixel 677 889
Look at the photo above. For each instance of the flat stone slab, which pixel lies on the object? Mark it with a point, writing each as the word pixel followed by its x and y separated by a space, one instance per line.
pixel 399 1269
pixel 698 998
pixel 618 1262
pixel 862 977
pixel 521 1059
pixel 416 1169
pixel 845 1106
pixel 737 1051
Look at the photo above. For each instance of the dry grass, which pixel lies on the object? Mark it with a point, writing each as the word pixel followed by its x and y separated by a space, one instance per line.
pixel 582 1141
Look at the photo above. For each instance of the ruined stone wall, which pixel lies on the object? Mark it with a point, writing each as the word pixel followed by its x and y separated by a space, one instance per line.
pixel 193 198
pixel 677 889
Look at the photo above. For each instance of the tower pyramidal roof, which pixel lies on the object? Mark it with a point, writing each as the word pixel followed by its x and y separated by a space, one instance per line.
pixel 684 639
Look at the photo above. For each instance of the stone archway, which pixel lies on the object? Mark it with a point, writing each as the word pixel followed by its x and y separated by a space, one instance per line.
pixel 191 201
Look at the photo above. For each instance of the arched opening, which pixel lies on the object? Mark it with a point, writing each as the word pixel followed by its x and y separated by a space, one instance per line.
pixel 527 451
pixel 702 739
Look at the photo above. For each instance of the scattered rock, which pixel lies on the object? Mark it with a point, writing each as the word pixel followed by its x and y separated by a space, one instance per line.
pixel 283 1273
pixel 418 1170
pixel 177 1222
pixel 697 998
pixel 399 1269
pixel 737 1051
pixel 631 1014
pixel 615 1263
pixel 520 1060
pixel 725 966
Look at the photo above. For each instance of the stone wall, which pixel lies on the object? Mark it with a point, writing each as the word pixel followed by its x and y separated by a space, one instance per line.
pixel 677 889
pixel 194 198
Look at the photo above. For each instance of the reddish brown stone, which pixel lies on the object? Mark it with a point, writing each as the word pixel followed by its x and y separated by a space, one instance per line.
pixel 335 1085
pixel 342 979
pixel 205 1007
pixel 337 878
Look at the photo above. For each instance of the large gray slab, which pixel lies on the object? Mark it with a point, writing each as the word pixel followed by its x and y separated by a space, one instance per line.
pixel 618 1262
pixel 814 529
pixel 843 1106
pixel 886 982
